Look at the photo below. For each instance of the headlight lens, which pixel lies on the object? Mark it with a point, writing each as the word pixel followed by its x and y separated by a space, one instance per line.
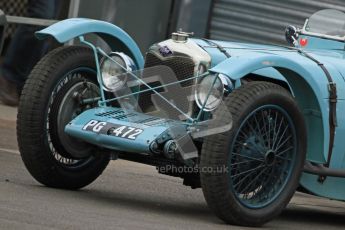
pixel 212 88
pixel 201 69
pixel 113 74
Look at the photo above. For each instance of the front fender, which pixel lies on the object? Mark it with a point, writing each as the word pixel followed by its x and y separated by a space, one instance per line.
pixel 114 36
pixel 240 66
pixel 308 83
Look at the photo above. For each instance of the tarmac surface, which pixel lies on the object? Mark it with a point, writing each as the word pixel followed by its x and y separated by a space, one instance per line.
pixel 127 196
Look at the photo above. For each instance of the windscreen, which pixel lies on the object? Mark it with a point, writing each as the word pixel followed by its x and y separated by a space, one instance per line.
pixel 327 22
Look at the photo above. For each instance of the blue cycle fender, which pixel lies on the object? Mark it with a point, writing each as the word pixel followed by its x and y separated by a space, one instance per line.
pixel 238 67
pixel 114 36
pixel 296 69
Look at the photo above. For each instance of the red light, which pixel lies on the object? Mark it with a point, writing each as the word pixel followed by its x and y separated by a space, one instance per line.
pixel 303 41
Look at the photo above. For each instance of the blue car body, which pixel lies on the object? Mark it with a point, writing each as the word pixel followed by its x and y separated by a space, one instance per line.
pixel 302 76
pixel 309 86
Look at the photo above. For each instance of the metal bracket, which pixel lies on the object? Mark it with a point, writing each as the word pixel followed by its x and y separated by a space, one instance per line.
pixel 30 21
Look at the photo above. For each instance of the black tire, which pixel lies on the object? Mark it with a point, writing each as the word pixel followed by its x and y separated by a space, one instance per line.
pixel 234 198
pixel 45 149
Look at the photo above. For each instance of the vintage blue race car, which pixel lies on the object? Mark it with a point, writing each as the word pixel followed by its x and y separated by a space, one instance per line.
pixel 249 124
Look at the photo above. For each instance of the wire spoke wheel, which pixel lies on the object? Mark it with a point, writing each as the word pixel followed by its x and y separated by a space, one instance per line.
pixel 263 153
pixel 262 156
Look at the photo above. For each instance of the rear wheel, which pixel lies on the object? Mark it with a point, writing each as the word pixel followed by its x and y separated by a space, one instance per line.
pixel 52 97
pixel 261 156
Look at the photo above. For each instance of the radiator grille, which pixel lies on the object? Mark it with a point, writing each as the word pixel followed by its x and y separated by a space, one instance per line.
pixel 183 67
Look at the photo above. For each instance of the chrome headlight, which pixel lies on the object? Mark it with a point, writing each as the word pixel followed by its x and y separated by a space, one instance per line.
pixel 211 90
pixel 113 74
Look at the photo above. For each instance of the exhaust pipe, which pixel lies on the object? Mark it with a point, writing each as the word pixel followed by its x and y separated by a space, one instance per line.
pixel 321 170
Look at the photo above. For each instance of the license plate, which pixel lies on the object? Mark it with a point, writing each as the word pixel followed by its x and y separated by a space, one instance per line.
pixel 111 129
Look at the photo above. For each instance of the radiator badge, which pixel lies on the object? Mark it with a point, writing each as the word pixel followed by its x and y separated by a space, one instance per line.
pixel 165 51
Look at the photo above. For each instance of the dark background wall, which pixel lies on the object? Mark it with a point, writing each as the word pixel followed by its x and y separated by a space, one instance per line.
pixel 146 21
pixel 262 21
pixel 149 21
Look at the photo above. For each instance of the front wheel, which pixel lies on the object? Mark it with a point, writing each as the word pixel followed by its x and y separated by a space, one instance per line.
pixel 258 163
pixel 52 97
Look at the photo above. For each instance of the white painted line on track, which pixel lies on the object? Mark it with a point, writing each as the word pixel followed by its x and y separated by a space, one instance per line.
pixel 9 151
